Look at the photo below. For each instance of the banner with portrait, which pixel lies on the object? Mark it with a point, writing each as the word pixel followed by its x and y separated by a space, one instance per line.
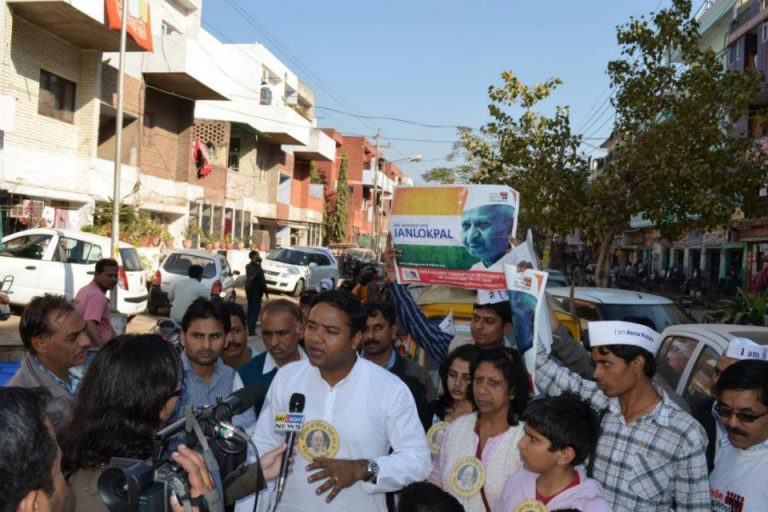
pixel 526 299
pixel 455 235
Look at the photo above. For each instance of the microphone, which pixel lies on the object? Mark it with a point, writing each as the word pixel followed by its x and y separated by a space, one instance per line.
pixel 238 402
pixel 296 405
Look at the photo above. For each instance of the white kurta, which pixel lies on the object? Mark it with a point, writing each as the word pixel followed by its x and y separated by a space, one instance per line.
pixel 372 411
pixel 738 482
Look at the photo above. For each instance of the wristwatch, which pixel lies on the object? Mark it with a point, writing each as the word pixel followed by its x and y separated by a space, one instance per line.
pixel 373 471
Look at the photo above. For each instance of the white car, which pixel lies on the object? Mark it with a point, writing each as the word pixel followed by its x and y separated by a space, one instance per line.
pixel 689 353
pixel 614 304
pixel 61 261
pixel 295 269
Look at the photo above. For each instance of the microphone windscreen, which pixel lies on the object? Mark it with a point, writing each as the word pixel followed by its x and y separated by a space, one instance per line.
pixel 297 403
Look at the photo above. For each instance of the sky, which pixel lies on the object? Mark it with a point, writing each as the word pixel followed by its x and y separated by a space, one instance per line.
pixel 431 61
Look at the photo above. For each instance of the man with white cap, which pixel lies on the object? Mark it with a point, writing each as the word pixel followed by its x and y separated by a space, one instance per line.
pixel 738 481
pixel 650 455
pixel 738 349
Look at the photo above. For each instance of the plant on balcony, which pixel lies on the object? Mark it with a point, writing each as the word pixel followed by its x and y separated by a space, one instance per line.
pixel 340 219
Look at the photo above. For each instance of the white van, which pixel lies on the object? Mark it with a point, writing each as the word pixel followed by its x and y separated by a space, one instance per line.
pixel 61 261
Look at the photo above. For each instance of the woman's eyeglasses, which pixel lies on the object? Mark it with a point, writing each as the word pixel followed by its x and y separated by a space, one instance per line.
pixel 726 412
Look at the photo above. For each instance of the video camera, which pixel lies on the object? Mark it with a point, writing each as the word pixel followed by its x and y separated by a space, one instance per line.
pixel 145 486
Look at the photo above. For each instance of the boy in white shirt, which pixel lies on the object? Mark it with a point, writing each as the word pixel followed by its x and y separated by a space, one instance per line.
pixel 560 433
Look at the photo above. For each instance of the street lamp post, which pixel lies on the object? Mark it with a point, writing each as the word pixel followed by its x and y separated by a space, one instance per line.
pixel 375 233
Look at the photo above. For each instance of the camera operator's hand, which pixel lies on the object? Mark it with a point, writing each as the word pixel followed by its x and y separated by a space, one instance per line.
pixel 270 462
pixel 200 480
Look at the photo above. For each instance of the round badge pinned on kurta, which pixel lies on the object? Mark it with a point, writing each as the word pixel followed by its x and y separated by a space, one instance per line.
pixel 435 436
pixel 318 438
pixel 531 506
pixel 467 476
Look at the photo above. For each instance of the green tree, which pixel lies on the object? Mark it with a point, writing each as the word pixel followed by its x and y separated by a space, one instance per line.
pixel 315 177
pixel 449 175
pixel 339 220
pixel 675 163
pixel 535 153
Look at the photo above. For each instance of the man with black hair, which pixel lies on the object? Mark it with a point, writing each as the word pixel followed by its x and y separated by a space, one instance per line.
pixel 560 433
pixel 92 302
pixel 378 347
pixel 255 289
pixel 282 325
pixel 30 460
pixel 55 336
pixel 426 497
pixel 650 454
pixel 186 291
pixel 236 351
pixel 376 442
pixel 204 329
pixel 738 480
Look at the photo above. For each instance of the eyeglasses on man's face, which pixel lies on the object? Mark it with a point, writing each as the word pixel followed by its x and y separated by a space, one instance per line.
pixel 726 412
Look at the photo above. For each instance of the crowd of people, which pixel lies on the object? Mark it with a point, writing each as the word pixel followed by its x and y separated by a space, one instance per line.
pixel 598 434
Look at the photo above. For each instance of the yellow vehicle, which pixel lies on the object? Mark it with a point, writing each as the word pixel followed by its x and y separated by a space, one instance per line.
pixel 438 301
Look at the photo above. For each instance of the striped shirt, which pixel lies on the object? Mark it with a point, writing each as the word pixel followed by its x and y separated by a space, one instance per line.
pixel 648 465
pixel 428 335
pixel 197 392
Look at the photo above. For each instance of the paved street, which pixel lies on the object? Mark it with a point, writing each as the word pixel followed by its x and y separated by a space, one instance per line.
pixel 11 347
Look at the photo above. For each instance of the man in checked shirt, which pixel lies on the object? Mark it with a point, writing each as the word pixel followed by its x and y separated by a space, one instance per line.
pixel 650 454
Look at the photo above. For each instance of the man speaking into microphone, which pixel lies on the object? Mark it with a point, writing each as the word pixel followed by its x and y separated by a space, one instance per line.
pixel 361 435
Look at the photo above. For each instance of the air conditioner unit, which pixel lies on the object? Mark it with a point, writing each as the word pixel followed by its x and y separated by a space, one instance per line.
pixel 17 212
pixel 27 209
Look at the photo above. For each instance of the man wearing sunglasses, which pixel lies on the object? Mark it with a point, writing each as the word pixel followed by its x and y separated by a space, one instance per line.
pixel 738 482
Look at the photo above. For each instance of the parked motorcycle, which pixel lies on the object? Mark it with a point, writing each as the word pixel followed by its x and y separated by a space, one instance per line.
pixel 170 331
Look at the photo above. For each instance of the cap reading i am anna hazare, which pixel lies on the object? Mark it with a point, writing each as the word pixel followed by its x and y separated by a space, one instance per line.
pixel 624 333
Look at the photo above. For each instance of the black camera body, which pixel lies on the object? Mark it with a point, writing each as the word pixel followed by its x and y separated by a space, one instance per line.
pixel 130 485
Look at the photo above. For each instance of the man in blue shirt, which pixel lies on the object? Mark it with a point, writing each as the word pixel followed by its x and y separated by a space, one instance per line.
pixel 282 326
pixel 204 329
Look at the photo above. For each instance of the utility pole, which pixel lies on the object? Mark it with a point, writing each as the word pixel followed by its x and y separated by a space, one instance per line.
pixel 116 202
pixel 375 233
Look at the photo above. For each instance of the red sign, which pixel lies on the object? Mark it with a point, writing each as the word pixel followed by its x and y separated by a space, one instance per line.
pixel 138 25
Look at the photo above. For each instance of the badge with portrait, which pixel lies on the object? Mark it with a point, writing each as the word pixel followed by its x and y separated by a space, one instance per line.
pixel 435 436
pixel 531 506
pixel 467 476
pixel 455 235
pixel 318 438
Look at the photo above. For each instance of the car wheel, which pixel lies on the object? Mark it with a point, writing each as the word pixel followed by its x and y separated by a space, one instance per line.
pixel 299 288
pixel 152 309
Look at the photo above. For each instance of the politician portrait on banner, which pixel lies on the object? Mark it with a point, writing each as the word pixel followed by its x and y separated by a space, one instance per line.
pixel 457 235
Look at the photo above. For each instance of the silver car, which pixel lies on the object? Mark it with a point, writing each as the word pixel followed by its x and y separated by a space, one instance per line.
pixel 217 275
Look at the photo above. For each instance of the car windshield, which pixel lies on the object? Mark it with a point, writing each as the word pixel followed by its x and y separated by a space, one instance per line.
pixel 290 256
pixel 131 259
pixel 179 264
pixel 660 315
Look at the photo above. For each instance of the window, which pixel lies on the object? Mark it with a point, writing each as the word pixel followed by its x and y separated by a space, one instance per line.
pixel 179 264
pixel 57 97
pixel 30 247
pixel 130 259
pixel 263 164
pixel 736 51
pixel 233 163
pixel 265 95
pixel 672 362
pixel 71 250
pixel 764 32
pixel 697 390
